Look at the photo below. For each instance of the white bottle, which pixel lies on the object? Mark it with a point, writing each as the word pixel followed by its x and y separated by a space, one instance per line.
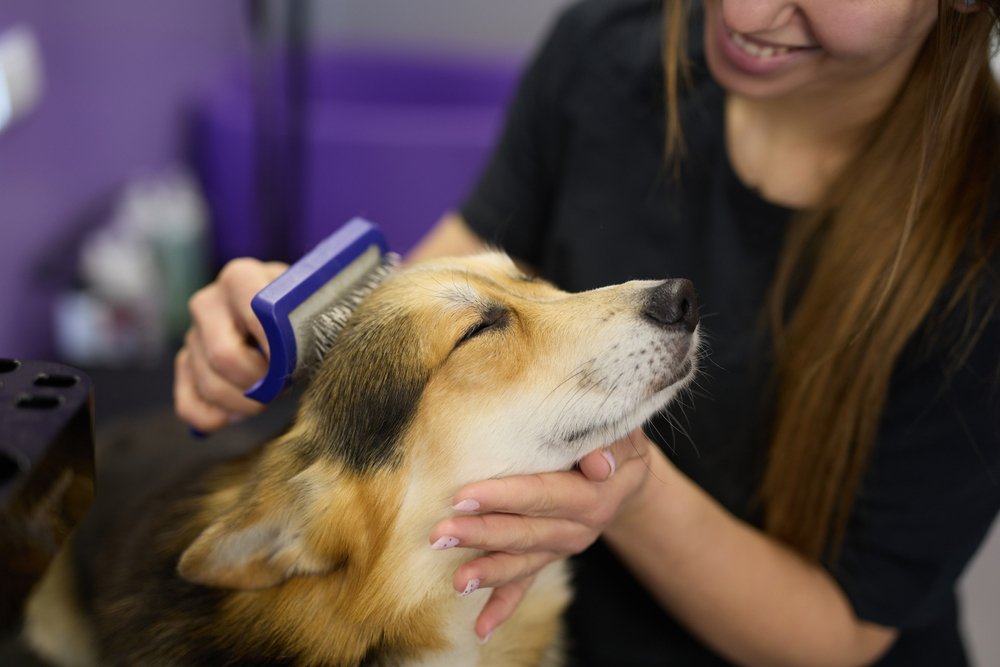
pixel 21 79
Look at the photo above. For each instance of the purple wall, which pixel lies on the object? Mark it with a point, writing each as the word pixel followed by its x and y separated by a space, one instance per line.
pixel 395 137
pixel 120 78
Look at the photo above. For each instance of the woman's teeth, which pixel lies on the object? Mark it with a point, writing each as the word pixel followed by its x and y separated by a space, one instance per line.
pixel 757 51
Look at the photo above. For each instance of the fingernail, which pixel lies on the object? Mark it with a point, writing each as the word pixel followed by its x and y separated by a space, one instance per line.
pixel 467 505
pixel 610 458
pixel 446 542
pixel 487 637
pixel 469 587
pixel 235 418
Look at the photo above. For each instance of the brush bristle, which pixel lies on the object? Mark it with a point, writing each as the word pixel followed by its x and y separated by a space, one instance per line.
pixel 327 325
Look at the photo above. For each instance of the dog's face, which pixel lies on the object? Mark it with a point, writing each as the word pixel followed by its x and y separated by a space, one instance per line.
pixel 519 376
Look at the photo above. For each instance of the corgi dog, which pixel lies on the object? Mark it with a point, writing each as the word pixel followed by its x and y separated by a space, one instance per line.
pixel 313 549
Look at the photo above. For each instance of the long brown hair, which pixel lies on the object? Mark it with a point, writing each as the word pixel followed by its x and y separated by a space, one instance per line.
pixel 860 274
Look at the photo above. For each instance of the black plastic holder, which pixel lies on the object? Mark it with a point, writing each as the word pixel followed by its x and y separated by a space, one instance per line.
pixel 46 470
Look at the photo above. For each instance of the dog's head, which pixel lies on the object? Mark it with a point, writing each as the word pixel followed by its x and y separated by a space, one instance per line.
pixel 454 370
pixel 502 374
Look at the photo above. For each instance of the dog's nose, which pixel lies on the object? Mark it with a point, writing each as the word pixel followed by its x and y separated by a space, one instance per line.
pixel 672 303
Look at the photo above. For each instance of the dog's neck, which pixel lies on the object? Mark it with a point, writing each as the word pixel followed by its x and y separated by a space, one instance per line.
pixel 365 571
pixel 356 546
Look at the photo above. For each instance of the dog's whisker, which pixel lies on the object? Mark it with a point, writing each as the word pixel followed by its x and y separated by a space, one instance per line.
pixel 676 425
pixel 695 390
pixel 565 403
pixel 583 386
pixel 611 390
pixel 580 391
pixel 644 461
pixel 579 369
pixel 669 444
pixel 672 441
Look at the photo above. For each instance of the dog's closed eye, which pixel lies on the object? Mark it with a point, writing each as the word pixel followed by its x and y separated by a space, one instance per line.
pixel 495 317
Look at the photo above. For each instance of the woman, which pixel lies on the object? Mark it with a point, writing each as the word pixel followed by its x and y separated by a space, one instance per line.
pixel 828 187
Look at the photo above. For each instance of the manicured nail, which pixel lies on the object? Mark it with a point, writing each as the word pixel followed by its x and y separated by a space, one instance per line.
pixel 446 542
pixel 467 505
pixel 487 637
pixel 469 587
pixel 610 458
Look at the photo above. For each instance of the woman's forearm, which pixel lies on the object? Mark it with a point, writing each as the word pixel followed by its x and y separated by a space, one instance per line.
pixel 449 236
pixel 743 593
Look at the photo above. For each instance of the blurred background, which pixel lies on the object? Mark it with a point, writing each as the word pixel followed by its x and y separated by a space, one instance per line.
pixel 129 169
pixel 144 143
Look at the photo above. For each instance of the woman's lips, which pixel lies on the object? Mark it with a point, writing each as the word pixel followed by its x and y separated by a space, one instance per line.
pixel 754 56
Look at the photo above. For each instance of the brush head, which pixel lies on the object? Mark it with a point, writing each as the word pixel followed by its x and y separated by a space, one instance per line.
pixel 326 325
pixel 305 307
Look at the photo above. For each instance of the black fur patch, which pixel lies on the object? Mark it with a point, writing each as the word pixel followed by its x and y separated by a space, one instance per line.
pixel 367 390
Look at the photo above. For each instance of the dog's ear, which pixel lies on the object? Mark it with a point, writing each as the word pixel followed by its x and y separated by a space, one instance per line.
pixel 249 553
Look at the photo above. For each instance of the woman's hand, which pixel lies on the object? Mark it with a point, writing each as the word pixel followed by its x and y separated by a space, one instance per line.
pixel 529 521
pixel 220 359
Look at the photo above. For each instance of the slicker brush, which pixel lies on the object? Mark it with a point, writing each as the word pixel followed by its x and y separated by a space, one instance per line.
pixel 305 308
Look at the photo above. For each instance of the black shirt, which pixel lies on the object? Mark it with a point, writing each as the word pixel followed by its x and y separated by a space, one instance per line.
pixel 579 188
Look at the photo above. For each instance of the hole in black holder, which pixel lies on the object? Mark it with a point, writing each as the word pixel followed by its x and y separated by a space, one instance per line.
pixel 39 402
pixel 9 365
pixel 9 467
pixel 56 380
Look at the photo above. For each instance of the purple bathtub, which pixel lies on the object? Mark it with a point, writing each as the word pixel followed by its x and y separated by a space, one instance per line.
pixel 398 140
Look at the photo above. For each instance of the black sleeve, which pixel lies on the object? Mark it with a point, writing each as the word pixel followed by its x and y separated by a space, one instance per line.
pixel 512 202
pixel 931 491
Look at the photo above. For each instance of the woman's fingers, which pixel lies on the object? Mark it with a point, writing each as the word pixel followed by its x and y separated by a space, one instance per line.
pixel 229 366
pixel 602 464
pixel 559 494
pixel 548 494
pixel 188 405
pixel 512 533
pixel 219 339
pixel 215 386
pixel 239 282
pixel 500 606
pixel 499 569
pixel 220 358
pixel 529 521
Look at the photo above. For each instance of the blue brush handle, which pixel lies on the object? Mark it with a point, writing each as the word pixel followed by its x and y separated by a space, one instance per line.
pixel 273 304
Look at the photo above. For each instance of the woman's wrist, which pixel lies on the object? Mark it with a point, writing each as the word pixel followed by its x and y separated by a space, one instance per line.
pixel 663 493
pixel 729 583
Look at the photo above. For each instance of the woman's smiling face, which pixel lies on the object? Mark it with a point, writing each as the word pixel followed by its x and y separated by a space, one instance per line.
pixel 772 48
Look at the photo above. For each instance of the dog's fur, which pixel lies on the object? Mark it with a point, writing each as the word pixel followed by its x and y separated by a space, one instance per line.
pixel 313 549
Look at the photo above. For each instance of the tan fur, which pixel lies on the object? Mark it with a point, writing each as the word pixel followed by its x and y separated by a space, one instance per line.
pixel 56 628
pixel 313 550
